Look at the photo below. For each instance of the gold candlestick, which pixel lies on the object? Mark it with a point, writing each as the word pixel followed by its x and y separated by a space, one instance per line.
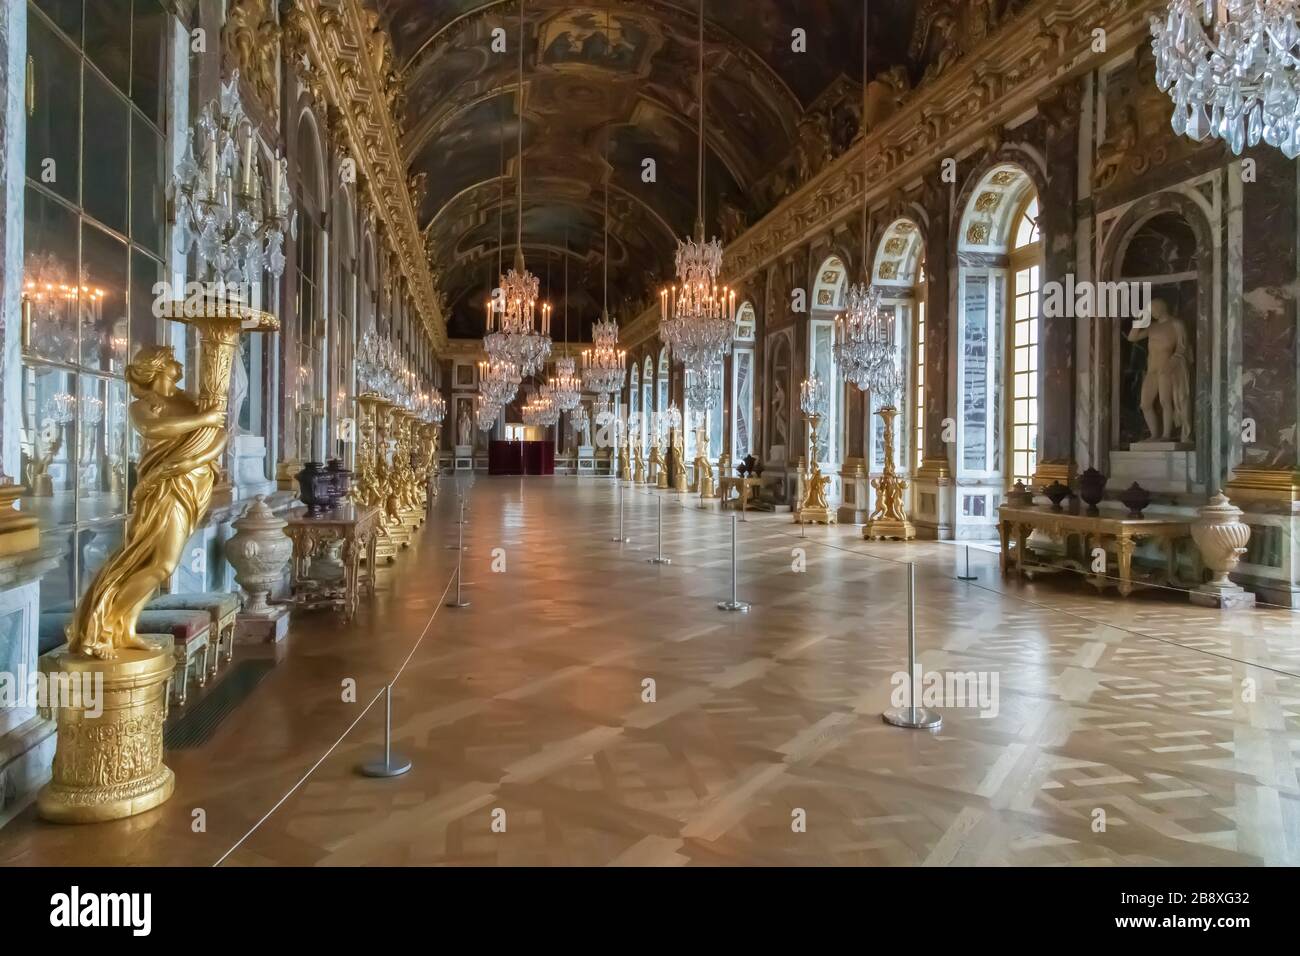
pixel 814 509
pixel 889 519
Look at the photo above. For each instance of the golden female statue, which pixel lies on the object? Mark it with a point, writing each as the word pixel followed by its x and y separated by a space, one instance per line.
pixel 183 443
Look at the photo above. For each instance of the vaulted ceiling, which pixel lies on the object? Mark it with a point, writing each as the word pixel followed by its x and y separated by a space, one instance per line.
pixel 596 102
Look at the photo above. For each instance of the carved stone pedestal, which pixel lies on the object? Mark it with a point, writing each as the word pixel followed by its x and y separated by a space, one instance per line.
pixel 109 765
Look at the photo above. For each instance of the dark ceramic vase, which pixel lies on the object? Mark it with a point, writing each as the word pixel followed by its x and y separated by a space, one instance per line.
pixel 340 478
pixel 1135 498
pixel 751 466
pixel 1092 488
pixel 315 487
pixel 1057 493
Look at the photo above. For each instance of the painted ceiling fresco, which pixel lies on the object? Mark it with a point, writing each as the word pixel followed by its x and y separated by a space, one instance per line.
pixel 606 87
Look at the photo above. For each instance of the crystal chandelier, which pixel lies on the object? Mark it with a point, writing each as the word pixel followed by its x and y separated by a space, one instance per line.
pixel 565 385
pixel 233 220
pixel 857 332
pixel 604 366
pixel 703 386
pixel 540 409
pixel 437 408
pixel 498 381
pixel 1230 67
pixel 485 413
pixel 516 331
pixel 697 317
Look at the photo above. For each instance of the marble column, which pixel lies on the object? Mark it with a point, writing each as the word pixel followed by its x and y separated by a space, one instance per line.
pixel 13 142
pixel 1056 337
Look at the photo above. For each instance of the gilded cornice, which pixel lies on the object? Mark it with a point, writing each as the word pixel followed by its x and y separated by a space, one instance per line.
pixel 347 65
pixel 1049 43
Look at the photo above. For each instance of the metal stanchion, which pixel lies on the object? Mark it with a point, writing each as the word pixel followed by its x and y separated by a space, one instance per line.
pixel 967 576
pixel 460 568
pixel 393 765
pixel 735 604
pixel 620 538
pixel 911 716
pixel 661 559
pixel 461 522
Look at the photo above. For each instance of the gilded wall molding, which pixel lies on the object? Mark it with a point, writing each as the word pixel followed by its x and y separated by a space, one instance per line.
pixel 1016 67
pixel 345 59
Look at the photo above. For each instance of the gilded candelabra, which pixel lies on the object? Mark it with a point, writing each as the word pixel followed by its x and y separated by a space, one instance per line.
pixel 109 765
pixel 814 509
pixel 625 456
pixel 889 519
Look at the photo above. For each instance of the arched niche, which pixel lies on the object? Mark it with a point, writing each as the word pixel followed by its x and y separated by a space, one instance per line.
pixel 1163 243
pixel 780 398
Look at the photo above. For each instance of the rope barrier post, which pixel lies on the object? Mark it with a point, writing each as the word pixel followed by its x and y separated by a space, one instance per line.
pixel 911 716
pixel 460 565
pixel 393 765
pixel 661 559
pixel 967 576
pixel 620 537
pixel 735 604
pixel 459 546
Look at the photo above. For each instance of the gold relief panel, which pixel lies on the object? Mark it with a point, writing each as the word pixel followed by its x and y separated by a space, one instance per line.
pixel 824 297
pixel 978 234
pixel 251 38
pixel 1005 177
pixel 830 276
pixel 987 202
pixel 889 269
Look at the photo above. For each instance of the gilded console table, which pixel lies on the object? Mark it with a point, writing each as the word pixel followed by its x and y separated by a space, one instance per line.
pixel 358 528
pixel 1016 523
pixel 744 488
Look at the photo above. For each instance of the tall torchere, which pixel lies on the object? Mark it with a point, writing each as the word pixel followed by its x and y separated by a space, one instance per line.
pixel 889 519
pixel 108 762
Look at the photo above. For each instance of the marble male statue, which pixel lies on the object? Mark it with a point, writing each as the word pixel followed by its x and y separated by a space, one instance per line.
pixel 1167 381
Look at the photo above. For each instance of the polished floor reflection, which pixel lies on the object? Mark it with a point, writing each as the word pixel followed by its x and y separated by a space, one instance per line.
pixel 1137 732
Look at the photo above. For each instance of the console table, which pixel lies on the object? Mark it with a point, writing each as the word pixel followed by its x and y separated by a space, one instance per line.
pixel 744 488
pixel 1017 522
pixel 358 529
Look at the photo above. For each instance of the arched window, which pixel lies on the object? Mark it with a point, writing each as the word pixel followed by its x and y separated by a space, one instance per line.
pixel 898 274
pixel 306 369
pixel 919 291
pixel 1022 348
pixel 997 348
pixel 828 300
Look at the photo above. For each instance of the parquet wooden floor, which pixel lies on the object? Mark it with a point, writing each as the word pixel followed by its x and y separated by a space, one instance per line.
pixel 1144 731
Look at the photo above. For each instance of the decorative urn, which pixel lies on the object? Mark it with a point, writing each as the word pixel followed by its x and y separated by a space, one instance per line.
pixel 259 551
pixel 1092 488
pixel 1057 493
pixel 315 487
pixel 1136 499
pixel 1020 496
pixel 1221 536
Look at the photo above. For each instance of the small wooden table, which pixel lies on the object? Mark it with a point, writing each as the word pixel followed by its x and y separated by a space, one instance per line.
pixel 358 529
pixel 1016 522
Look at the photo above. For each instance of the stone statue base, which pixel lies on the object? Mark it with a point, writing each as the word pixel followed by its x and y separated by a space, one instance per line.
pixel 1225 597
pixel 888 529
pixel 110 766
pixel 1167 467
pixel 814 515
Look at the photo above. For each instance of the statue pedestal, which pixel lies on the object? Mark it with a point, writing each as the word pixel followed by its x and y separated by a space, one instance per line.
pixel 464 458
pixel 586 460
pixel 250 467
pixel 108 760
pixel 1225 597
pixel 1168 467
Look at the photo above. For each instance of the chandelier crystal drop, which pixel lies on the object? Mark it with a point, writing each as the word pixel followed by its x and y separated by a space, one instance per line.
pixel 857 332
pixel 604 366
pixel 565 384
pixel 485 412
pixel 703 387
pixel 226 212
pixel 1232 68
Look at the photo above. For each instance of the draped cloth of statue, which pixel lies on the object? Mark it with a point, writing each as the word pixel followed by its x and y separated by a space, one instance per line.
pixel 174 488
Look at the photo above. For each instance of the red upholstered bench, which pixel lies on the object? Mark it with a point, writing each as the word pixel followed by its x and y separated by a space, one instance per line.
pixel 189 631
pixel 220 606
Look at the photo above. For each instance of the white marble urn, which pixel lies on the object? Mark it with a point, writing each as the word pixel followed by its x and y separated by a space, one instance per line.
pixel 1221 536
pixel 259 551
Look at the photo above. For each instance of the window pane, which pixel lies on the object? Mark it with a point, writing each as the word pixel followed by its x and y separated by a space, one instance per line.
pixel 104 154
pixel 102 441
pixel 49 444
pixel 149 59
pixel 94 545
pixel 50 277
pixel 103 301
pixel 145 272
pixel 52 122
pixel 66 15
pixel 146 185
pixel 108 39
